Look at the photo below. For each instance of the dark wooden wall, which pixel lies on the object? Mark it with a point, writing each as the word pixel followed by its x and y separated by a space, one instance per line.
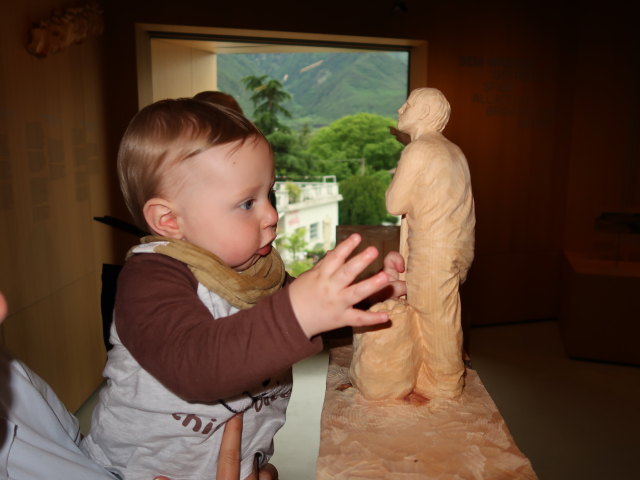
pixel 544 104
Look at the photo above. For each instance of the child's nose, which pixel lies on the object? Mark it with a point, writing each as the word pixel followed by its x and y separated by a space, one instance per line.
pixel 271 217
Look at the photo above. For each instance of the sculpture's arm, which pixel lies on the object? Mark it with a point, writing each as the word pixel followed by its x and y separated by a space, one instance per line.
pixel 401 189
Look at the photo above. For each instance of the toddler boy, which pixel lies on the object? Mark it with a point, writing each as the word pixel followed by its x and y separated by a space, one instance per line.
pixel 207 323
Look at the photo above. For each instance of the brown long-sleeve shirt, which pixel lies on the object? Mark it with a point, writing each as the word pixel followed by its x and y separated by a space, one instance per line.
pixel 172 335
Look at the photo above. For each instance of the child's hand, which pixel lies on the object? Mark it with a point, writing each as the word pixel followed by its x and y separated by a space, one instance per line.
pixel 323 297
pixel 393 266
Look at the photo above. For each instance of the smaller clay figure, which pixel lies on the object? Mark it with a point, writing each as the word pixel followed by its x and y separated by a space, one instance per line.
pixel 431 189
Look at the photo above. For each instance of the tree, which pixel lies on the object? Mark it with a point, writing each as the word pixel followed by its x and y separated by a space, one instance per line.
pixel 362 139
pixel 294 191
pixel 267 97
pixel 364 199
pixel 298 267
pixel 294 243
pixel 291 161
pixel 342 170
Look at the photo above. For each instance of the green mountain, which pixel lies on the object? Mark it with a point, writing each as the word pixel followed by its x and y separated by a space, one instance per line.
pixel 324 86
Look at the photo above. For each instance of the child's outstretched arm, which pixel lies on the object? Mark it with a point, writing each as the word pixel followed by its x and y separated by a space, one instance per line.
pixel 323 297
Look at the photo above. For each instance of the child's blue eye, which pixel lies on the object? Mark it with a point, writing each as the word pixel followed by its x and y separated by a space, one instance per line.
pixel 247 205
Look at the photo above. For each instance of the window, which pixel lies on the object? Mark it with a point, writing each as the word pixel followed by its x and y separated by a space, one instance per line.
pixel 204 42
pixel 313 231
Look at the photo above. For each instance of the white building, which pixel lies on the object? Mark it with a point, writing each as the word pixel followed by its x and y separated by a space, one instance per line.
pixel 312 205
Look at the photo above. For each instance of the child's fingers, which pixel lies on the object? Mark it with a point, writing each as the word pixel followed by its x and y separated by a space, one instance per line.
pixel 336 257
pixel 348 272
pixel 394 261
pixel 229 456
pixel 399 289
pixel 363 318
pixel 364 289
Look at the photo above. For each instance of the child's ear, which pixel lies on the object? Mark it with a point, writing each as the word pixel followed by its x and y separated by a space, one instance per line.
pixel 161 218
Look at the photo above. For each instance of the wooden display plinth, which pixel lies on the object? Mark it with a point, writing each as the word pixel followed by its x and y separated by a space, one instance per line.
pixel 440 439
pixel 600 304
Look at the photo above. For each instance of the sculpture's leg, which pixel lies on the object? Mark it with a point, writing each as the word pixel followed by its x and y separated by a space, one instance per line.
pixel 385 359
pixel 441 374
pixel 438 320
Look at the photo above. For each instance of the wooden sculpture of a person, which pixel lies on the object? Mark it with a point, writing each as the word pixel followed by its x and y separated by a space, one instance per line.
pixel 421 352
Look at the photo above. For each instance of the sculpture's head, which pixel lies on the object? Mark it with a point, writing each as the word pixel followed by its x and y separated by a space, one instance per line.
pixel 426 109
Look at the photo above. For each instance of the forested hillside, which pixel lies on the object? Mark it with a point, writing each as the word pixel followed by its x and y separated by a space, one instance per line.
pixel 324 86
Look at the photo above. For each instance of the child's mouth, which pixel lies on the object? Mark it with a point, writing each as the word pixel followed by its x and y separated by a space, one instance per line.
pixel 264 250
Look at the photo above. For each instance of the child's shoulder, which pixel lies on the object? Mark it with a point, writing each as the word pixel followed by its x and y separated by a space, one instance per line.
pixel 147 277
pixel 140 267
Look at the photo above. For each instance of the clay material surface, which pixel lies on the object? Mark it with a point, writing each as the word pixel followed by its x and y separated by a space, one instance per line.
pixel 413 439
pixel 422 349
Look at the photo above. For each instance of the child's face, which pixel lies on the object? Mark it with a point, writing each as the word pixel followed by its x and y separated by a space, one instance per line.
pixel 222 202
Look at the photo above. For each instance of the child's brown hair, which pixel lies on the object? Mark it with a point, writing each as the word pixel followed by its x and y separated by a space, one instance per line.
pixel 166 133
pixel 219 98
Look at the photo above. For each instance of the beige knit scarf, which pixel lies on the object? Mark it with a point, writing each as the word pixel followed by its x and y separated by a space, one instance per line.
pixel 240 289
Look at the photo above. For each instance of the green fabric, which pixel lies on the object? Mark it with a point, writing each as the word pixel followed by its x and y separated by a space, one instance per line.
pixel 240 289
